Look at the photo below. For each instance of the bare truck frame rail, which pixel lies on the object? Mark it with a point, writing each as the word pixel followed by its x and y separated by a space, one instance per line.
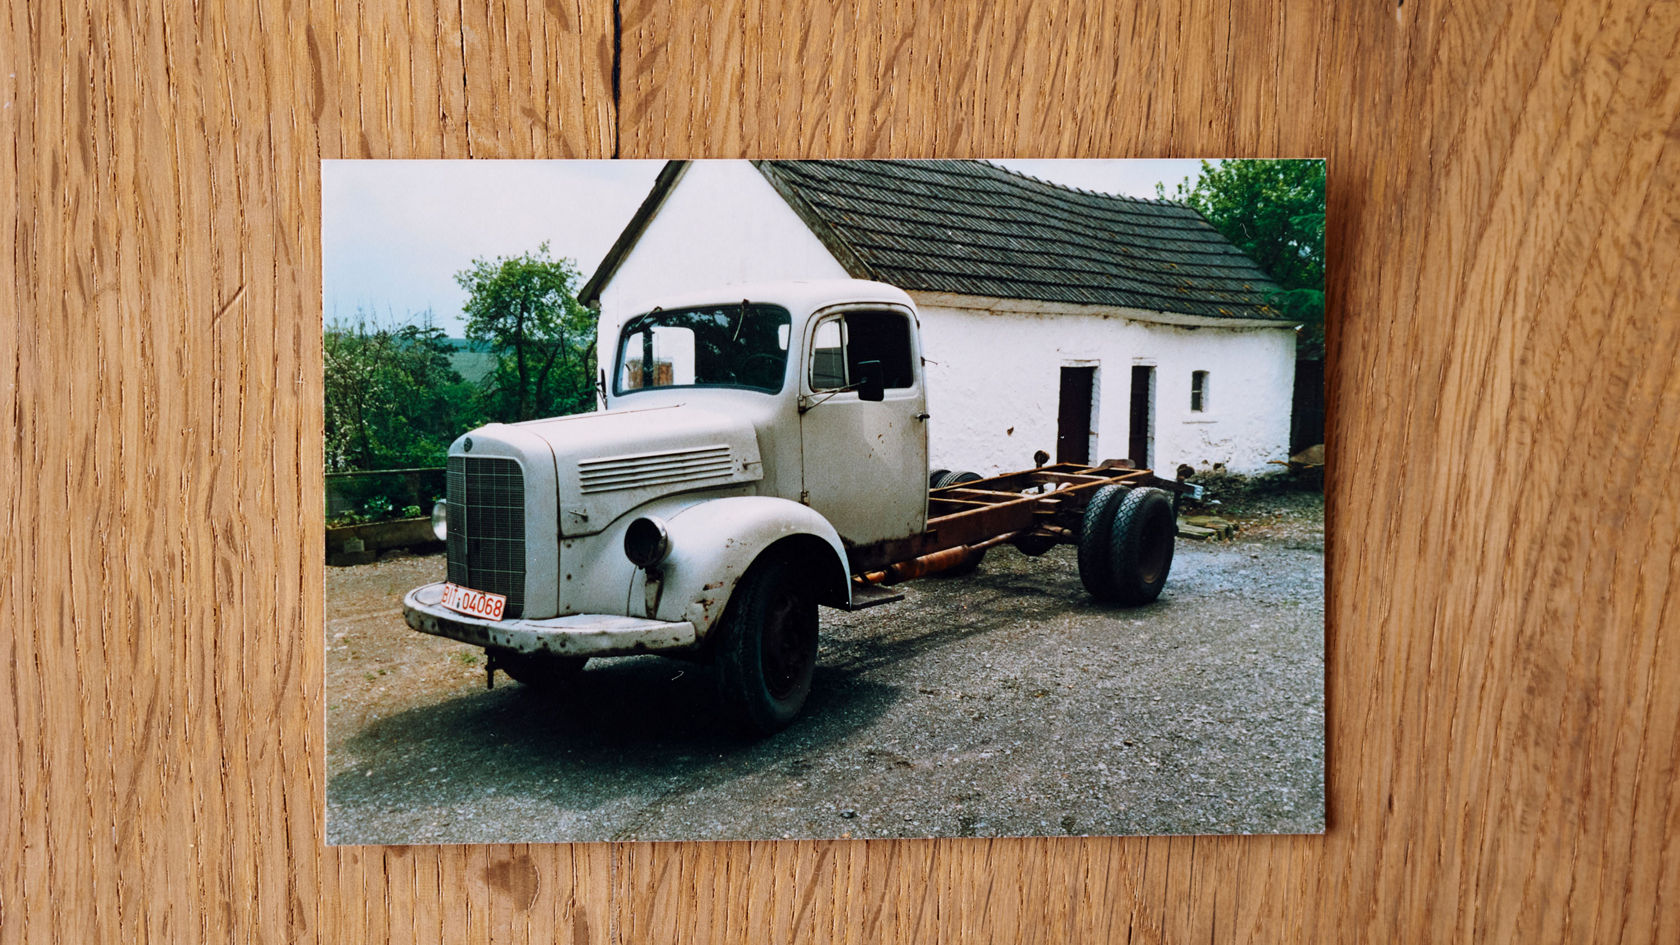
pixel 1034 510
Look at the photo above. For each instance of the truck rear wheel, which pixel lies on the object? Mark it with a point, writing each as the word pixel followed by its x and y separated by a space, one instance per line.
pixel 1141 545
pixel 1095 543
pixel 767 648
pixel 544 671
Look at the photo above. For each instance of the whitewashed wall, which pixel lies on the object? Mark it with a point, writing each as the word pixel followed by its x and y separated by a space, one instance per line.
pixel 994 380
pixel 721 224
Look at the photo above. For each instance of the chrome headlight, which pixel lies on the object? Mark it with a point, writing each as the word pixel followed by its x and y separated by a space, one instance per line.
pixel 440 521
pixel 646 542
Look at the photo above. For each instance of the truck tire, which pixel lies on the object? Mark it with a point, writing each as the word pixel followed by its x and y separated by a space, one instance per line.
pixel 955 478
pixel 1096 541
pixel 935 476
pixel 1141 545
pixel 543 671
pixel 767 647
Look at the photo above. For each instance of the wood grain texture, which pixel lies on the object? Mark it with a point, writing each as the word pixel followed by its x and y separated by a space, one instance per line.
pixel 1503 653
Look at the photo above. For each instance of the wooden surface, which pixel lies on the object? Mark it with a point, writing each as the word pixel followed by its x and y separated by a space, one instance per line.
pixel 1504 667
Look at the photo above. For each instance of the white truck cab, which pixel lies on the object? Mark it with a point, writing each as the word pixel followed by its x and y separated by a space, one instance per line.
pixel 763 447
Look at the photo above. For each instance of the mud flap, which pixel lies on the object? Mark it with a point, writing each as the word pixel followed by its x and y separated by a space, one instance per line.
pixel 870 595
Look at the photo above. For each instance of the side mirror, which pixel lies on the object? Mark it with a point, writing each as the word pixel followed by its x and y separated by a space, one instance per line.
pixel 870 385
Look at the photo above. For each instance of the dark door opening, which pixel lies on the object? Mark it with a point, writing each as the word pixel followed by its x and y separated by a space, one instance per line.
pixel 1143 399
pixel 1073 415
pixel 1306 424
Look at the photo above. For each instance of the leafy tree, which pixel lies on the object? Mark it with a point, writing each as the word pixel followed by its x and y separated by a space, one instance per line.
pixel 524 308
pixel 1273 210
pixel 392 400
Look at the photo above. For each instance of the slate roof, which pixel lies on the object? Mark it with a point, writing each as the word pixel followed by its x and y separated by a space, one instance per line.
pixel 974 228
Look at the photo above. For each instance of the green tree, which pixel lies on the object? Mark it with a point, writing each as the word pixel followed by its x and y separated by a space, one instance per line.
pixel 391 398
pixel 524 308
pixel 1273 210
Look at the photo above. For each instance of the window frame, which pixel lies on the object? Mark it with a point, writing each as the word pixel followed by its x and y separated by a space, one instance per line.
pixel 840 311
pixel 811 349
pixel 624 333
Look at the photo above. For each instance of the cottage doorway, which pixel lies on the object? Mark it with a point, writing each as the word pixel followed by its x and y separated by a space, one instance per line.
pixel 1142 438
pixel 1073 415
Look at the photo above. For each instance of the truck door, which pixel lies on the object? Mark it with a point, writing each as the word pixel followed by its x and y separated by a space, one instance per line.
pixel 865 464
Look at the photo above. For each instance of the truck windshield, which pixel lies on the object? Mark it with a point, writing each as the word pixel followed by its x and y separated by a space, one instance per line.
pixel 733 345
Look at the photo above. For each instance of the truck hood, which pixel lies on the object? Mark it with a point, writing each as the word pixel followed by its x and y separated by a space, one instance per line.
pixel 610 462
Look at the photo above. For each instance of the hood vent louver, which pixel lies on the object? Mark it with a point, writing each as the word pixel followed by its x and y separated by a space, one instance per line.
pixel 662 468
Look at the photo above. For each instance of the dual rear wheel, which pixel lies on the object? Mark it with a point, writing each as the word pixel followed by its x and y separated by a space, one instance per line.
pixel 1126 544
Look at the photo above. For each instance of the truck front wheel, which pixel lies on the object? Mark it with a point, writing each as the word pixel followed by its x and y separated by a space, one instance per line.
pixel 767 648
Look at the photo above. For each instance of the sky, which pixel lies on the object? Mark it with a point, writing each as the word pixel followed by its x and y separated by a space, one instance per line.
pixel 394 233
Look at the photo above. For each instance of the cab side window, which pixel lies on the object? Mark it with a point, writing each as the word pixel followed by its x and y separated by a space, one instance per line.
pixel 841 343
pixel 883 337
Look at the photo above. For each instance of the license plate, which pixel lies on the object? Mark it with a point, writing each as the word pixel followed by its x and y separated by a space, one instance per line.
pixel 473 603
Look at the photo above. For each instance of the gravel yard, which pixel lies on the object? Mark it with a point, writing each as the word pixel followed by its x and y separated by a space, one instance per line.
pixel 1001 703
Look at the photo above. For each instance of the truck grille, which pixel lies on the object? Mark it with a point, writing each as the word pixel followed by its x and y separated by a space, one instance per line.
pixel 486 542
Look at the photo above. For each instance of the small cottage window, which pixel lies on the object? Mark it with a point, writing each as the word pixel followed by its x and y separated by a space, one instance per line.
pixel 1198 391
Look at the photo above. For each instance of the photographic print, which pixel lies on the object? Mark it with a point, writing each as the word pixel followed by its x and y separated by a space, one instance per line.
pixel 717 500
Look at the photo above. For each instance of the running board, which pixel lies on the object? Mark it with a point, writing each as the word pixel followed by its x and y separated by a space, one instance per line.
pixel 865 596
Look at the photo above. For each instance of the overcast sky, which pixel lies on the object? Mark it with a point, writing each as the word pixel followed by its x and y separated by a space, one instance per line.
pixel 394 233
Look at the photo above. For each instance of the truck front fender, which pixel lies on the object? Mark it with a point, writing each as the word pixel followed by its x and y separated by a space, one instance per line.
pixel 712 544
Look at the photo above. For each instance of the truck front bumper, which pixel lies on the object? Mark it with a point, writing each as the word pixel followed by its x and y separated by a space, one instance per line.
pixel 576 635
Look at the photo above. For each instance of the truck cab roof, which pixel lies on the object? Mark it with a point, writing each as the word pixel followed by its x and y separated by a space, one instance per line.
pixel 797 296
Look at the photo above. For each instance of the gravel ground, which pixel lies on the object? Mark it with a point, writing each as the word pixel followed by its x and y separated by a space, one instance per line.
pixel 1002 703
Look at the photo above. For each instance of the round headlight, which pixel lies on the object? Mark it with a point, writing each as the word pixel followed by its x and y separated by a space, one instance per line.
pixel 646 543
pixel 440 521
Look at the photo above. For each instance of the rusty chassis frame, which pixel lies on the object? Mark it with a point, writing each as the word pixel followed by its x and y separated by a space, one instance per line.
pixel 1045 504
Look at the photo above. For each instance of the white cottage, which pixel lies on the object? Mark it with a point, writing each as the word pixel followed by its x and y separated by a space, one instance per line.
pixel 1085 325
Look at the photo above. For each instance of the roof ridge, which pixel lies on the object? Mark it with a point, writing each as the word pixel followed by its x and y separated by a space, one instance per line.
pixel 1033 178
pixel 992 164
pixel 1183 212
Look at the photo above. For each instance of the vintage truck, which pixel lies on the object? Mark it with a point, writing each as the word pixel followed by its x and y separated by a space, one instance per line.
pixel 763 451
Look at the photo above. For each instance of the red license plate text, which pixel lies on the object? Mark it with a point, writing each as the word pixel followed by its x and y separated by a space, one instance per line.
pixel 473 603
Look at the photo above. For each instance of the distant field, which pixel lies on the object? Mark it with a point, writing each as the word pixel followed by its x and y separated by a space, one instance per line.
pixel 470 360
